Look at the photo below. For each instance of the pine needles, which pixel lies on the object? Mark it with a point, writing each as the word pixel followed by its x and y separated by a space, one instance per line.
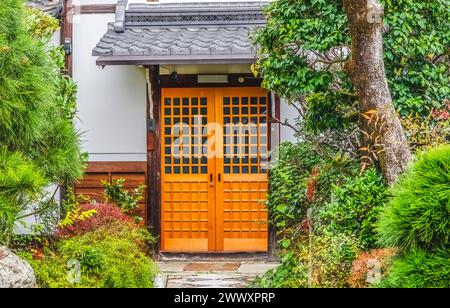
pixel 418 222
pixel 39 145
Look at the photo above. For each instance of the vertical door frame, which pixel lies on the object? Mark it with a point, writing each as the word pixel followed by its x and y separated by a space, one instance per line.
pixel 154 144
pixel 153 89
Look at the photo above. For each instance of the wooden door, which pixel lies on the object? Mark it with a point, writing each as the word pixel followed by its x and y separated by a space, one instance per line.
pixel 214 182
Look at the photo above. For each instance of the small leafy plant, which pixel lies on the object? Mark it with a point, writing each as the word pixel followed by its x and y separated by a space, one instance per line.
pixel 116 193
pixel 74 210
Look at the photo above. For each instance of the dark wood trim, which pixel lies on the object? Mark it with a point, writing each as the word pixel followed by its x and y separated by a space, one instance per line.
pixel 66 35
pixel 277 107
pixel 278 114
pixel 190 81
pixel 271 253
pixel 154 154
pixel 95 9
pixel 175 59
pixel 116 166
pixel 67 32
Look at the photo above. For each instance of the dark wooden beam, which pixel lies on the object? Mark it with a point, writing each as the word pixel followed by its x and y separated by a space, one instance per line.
pixel 175 59
pixel 95 9
pixel 190 81
pixel 112 166
pixel 154 152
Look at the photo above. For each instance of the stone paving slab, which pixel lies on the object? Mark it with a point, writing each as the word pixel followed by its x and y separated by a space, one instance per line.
pixel 256 268
pixel 210 274
pixel 225 280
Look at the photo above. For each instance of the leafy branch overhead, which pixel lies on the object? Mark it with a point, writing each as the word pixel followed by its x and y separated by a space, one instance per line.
pixel 306 44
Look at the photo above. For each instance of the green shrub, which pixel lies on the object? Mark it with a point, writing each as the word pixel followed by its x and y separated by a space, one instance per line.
pixel 113 256
pixel 419 214
pixel 420 269
pixel 302 178
pixel 355 207
pixel 288 180
pixel 331 259
pixel 116 193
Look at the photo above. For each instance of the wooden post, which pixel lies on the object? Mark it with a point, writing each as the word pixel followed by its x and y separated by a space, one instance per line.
pixel 67 32
pixel 154 151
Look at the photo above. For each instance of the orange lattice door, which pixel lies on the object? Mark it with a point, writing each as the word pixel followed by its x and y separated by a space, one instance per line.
pixel 188 197
pixel 214 180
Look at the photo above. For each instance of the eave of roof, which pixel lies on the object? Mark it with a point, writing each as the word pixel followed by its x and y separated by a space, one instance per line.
pixel 166 60
pixel 181 33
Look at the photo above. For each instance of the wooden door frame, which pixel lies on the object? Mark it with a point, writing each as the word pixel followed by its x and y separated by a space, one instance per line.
pixel 157 82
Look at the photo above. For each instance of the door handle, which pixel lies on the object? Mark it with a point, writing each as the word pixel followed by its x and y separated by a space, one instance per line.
pixel 211 180
pixel 220 177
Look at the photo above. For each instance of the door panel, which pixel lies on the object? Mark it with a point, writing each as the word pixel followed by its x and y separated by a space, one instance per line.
pixel 214 179
pixel 188 199
pixel 241 195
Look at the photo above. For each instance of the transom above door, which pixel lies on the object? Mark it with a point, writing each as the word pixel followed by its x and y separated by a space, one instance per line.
pixel 215 144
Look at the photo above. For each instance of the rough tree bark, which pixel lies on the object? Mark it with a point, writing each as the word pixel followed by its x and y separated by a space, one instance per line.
pixel 366 69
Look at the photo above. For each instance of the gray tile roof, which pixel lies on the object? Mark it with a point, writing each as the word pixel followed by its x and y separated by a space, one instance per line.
pixel 181 33
pixel 52 7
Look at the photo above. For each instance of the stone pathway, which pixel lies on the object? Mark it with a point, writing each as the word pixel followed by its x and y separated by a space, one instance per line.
pixel 210 274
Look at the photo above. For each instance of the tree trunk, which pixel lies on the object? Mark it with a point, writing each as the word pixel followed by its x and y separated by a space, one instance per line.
pixel 383 130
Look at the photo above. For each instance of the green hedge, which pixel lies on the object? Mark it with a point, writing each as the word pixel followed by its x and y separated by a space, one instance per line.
pixel 419 214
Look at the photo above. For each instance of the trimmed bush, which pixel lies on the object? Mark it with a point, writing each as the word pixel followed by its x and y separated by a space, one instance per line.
pixel 419 214
pixel 420 269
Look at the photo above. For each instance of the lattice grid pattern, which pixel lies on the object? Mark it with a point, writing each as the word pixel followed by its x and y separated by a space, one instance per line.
pixel 186 209
pixel 245 134
pixel 184 136
pixel 245 214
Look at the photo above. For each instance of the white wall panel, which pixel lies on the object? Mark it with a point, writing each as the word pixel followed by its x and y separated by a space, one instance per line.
pixel 111 100
pixel 287 112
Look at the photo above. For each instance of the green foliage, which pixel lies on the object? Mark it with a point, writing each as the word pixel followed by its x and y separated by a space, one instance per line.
pixel 333 170
pixel 419 214
pixel 305 44
pixel 37 106
pixel 288 183
pixel 416 53
pixel 20 181
pixel 293 28
pixel 112 256
pixel 40 24
pixel 355 206
pixel 420 269
pixel 303 178
pixel 330 110
pixel 329 258
pixel 116 193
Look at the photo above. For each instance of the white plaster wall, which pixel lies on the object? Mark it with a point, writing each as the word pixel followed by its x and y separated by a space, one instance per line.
pixel 111 100
pixel 289 113
pixel 56 39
